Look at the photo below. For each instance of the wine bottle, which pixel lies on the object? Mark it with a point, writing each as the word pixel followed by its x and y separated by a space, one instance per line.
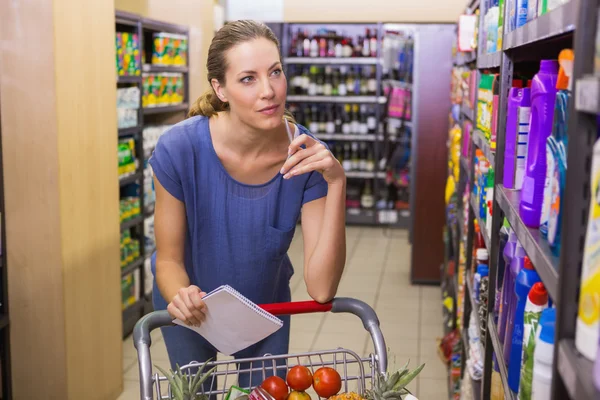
pixel 347 122
pixel 367 200
pixel 371 121
pixel 364 84
pixel 350 82
pixel 322 121
pixel 373 44
pixel 366 47
pixel 370 164
pixel 322 47
pixel 362 161
pixel 306 46
pixel 347 47
pixel 314 120
pixel 347 163
pixel 305 80
pixel 330 126
pixel 342 82
pixel 364 129
pixel 312 87
pixel 372 83
pixel 338 120
pixel 314 47
pixel 339 48
pixel 355 121
pixel 327 85
pixel 355 157
pixel 335 83
pixel 320 82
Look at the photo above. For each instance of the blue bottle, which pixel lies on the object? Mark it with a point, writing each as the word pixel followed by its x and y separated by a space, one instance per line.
pixel 525 281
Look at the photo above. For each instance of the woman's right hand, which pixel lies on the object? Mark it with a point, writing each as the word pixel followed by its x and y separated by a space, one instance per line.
pixel 187 305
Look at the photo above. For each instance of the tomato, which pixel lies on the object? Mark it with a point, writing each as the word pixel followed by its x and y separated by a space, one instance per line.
pixel 276 387
pixel 299 378
pixel 299 396
pixel 327 382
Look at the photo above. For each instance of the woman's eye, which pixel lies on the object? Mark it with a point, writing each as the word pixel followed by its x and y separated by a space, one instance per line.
pixel 277 72
pixel 247 79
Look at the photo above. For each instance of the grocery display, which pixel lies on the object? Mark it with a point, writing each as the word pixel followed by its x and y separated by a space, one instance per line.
pixel 152 94
pixel 527 158
pixel 351 86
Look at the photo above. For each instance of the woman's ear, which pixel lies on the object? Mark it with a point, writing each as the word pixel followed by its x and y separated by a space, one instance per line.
pixel 219 90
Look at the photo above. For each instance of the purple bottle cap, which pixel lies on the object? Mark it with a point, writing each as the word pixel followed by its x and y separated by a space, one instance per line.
pixel 549 66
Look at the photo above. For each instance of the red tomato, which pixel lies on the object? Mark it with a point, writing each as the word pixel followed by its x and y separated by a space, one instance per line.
pixel 299 378
pixel 276 387
pixel 327 382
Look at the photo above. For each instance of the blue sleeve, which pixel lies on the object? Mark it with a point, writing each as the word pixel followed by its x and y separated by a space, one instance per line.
pixel 164 167
pixel 316 187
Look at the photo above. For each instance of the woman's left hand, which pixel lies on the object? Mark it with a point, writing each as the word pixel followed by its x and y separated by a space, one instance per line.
pixel 315 157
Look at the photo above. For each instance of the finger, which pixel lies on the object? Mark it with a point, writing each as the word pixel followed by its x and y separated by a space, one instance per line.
pixel 199 305
pixel 176 313
pixel 298 157
pixel 307 161
pixel 320 165
pixel 197 314
pixel 183 308
pixel 303 139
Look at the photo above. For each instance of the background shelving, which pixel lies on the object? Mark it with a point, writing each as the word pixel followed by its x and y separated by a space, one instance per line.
pixel 571 25
pixel 137 231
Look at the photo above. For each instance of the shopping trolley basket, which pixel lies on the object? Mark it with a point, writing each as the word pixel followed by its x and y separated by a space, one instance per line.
pixel 353 369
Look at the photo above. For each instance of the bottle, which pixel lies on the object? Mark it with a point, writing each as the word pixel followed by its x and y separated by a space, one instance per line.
pixel 541 388
pixel 355 157
pixel 370 160
pixel 327 85
pixel 586 330
pixel 330 121
pixel 312 86
pixel 372 83
pixel 342 88
pixel 508 282
pixel 362 161
pixel 347 124
pixel 355 120
pixel 373 44
pixel 306 45
pixel 537 301
pixel 482 297
pixel 489 200
pixel 364 128
pixel 543 95
pixel 524 118
pixel 525 281
pixel 515 96
pixel 366 48
pixel 558 174
pixel 521 13
pixel 482 270
pixel 338 120
pixel 366 199
pixel 314 47
pixel 347 164
pixel 516 266
pixel 371 122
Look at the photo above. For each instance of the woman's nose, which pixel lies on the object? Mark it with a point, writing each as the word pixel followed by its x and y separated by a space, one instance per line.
pixel 267 89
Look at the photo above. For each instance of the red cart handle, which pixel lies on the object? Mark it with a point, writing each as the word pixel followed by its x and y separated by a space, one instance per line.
pixel 297 307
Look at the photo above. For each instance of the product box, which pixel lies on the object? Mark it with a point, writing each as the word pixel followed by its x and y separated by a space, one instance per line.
pixel 128 54
pixel 485 100
pixel 130 289
pixel 169 49
pixel 126 156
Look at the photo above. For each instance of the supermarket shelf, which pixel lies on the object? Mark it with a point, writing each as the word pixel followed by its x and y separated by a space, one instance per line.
pixel 331 60
pixel 536 247
pixel 465 339
pixel 130 179
pixel 160 26
pixel 166 109
pixel 463 58
pixel 396 83
pixel 486 238
pixel 4 321
pixel 365 175
pixel 587 98
pixel 129 79
pixel 474 305
pixel 576 372
pixel 489 60
pixel 132 267
pixel 164 68
pixel 356 216
pixel 122 18
pixel 129 131
pixel 131 315
pixel 337 99
pixel 481 142
pixel 464 163
pixel 552 24
pixel 132 222
pixel 499 350
pixel 467 112
pixel 349 137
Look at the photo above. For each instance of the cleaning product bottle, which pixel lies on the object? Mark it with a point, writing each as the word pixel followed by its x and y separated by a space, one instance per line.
pixel 521 12
pixel 537 301
pixel 515 96
pixel 543 95
pixel 586 332
pixel 482 270
pixel 524 119
pixel 525 281
pixel 508 282
pixel 559 174
pixel 541 388
pixel 516 266
pixel 485 168
pixel 489 201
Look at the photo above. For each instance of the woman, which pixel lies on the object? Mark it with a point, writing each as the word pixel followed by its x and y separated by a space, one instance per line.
pixel 230 184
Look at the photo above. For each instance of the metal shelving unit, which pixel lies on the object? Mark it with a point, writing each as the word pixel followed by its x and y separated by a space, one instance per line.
pixel 337 99
pixel 331 60
pixel 542 38
pixel 146 116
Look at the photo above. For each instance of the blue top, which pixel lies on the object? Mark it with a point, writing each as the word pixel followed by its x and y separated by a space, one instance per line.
pixel 237 234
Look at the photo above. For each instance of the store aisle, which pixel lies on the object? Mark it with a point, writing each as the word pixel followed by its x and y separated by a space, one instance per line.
pixel 377 272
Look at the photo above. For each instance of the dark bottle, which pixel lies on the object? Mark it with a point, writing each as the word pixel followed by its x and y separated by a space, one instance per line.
pixel 338 120
pixel 327 85
pixel 330 124
pixel 371 121
pixel 367 200
pixel 312 86
pixel 355 120
pixel 366 47
pixel 314 120
pixel 347 163
pixel 355 157
pixel 322 121
pixel 363 121
pixel 347 121
pixel 320 82
pixel 373 44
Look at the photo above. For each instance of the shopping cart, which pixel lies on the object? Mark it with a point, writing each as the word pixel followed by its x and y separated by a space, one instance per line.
pixel 352 368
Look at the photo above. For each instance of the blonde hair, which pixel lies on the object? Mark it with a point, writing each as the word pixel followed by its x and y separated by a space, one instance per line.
pixel 230 35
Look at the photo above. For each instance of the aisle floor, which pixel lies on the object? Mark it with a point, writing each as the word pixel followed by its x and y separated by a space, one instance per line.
pixel 377 272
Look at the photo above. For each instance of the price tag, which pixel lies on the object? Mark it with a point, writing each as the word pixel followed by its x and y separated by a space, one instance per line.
pixel 587 91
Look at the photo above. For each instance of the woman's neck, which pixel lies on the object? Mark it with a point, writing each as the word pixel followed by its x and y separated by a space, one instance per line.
pixel 236 135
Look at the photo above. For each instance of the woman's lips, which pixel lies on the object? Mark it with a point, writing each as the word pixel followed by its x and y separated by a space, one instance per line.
pixel 269 110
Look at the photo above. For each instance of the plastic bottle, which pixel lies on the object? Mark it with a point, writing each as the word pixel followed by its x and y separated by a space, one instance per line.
pixel 543 95
pixel 515 96
pixel 524 118
pixel 489 201
pixel 508 282
pixel 521 13
pixel 482 270
pixel 537 301
pixel 541 388
pixel 516 266
pixel 558 174
pixel 525 281
pixel 586 332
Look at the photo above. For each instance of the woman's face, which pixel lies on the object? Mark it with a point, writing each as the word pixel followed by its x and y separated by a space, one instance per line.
pixel 255 84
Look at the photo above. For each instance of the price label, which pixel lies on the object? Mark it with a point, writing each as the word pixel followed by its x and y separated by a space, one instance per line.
pixel 586 98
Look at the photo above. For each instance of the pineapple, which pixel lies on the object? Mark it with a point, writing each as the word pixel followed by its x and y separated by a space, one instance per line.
pixel 184 387
pixel 392 387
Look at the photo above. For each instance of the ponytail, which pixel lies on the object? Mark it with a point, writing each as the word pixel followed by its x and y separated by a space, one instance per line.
pixel 207 105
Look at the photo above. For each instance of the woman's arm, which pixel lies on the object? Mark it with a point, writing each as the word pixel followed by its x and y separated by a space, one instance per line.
pixel 171 277
pixel 323 220
pixel 324 233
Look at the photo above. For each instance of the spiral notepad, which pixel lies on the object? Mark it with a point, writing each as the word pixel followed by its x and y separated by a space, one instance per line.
pixel 233 322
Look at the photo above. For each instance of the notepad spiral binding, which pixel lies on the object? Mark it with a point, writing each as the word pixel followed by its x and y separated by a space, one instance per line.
pixel 252 305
